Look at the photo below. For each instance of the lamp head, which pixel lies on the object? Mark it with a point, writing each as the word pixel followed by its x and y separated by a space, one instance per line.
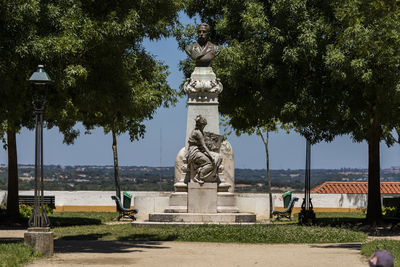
pixel 40 77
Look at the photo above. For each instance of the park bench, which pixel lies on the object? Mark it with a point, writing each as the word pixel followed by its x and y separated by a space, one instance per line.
pixel 30 200
pixel 124 210
pixel 286 213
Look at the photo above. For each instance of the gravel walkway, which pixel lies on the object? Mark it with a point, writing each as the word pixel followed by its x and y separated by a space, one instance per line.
pixel 126 253
pixel 188 254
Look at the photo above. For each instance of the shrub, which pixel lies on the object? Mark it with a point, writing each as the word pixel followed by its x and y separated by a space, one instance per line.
pixel 26 211
pixel 389 211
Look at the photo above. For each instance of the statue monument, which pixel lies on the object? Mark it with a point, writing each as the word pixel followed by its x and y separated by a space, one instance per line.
pixel 204 168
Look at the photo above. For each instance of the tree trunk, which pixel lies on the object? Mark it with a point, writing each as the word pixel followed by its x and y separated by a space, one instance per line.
pixel 12 196
pixel 374 210
pixel 116 176
pixel 269 190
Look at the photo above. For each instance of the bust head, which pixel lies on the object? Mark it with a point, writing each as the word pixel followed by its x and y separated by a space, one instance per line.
pixel 203 32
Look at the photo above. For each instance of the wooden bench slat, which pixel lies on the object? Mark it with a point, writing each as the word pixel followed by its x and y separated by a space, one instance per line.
pixel 30 200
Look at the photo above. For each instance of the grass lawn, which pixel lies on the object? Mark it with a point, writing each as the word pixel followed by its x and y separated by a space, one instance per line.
pixel 330 228
pixel 85 225
pixel 271 234
pixel 393 246
pixel 16 254
pixel 90 227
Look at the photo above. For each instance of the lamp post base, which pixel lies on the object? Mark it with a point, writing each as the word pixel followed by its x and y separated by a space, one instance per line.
pixel 307 217
pixel 40 239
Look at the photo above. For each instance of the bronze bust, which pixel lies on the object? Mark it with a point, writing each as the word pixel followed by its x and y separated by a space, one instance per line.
pixel 203 51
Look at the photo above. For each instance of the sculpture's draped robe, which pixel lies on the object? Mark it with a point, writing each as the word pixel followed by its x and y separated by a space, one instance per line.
pixel 205 169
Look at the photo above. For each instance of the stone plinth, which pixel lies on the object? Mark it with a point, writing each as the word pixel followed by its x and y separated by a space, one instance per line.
pixel 203 102
pixel 202 198
pixel 209 111
pixel 40 239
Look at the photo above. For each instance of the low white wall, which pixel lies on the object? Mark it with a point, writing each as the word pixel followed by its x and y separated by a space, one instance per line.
pixel 148 202
pixel 257 203
pixel 339 201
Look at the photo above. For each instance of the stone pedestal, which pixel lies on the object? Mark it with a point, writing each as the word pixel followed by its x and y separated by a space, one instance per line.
pixel 40 239
pixel 212 201
pixel 202 198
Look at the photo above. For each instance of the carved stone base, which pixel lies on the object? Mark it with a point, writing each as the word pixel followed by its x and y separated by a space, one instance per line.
pixel 40 239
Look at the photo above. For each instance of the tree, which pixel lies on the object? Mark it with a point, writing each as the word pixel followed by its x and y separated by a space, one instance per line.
pixel 364 64
pixel 79 41
pixel 125 84
pixel 263 132
pixel 328 67
pixel 17 27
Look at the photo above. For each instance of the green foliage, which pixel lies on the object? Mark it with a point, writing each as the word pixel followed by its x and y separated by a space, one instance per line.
pixel 389 211
pixel 102 75
pixel 328 67
pixel 386 211
pixel 26 211
pixel 93 52
pixel 393 246
pixel 16 254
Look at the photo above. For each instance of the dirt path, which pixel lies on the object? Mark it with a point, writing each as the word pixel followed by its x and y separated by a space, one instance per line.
pixel 187 254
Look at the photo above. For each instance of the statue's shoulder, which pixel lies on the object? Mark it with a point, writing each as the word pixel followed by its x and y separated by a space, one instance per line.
pixel 217 49
pixel 191 47
pixel 190 50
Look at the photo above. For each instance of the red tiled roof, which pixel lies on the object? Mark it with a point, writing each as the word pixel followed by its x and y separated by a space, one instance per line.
pixel 354 188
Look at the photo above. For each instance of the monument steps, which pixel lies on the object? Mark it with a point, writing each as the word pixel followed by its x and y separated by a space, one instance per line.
pixel 202 217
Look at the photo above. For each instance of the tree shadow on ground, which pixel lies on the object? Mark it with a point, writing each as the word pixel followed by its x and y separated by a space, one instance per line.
pixel 148 237
pixel 93 236
pixel 13 221
pixel 72 221
pixel 353 246
pixel 339 221
pixel 101 246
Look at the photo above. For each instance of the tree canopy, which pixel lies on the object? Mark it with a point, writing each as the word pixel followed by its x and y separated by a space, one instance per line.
pixel 102 74
pixel 328 67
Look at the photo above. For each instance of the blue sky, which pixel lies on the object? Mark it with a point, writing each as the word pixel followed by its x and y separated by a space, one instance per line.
pixel 165 136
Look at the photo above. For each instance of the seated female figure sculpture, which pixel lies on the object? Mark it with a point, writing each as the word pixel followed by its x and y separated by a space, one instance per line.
pixel 204 162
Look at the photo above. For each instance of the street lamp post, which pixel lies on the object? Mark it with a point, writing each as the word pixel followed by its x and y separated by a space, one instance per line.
pixel 39 235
